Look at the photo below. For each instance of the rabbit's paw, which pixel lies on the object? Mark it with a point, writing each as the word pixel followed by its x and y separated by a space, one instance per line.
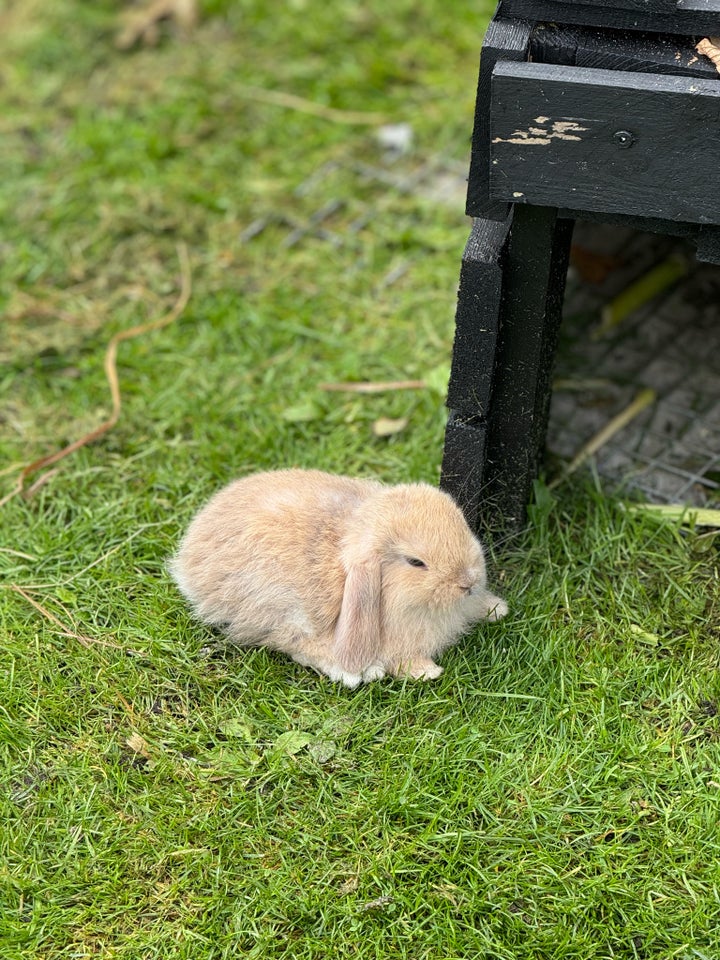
pixel 375 671
pixel 336 673
pixel 498 610
pixel 421 668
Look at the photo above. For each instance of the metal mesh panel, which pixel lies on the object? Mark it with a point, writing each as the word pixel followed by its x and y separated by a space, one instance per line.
pixel 671 451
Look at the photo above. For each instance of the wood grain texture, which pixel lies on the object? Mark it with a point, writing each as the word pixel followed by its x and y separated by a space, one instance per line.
pixel 644 6
pixel 700 6
pixel 618 50
pixel 463 465
pixel 606 141
pixel 504 40
pixel 509 309
pixel 534 272
pixel 708 245
pixel 690 17
pixel 476 318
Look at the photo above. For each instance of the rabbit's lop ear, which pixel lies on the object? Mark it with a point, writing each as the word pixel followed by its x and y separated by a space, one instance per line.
pixel 357 633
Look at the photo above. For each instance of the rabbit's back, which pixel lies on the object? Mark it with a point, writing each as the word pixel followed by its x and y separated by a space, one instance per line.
pixel 265 552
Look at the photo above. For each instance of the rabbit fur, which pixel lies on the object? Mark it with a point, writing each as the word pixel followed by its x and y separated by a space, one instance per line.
pixel 351 577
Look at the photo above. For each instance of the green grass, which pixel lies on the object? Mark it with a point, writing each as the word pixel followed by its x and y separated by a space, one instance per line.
pixel 556 794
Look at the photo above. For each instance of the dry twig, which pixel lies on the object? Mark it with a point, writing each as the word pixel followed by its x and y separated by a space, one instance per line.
pixel 290 101
pixel 619 422
pixel 81 638
pixel 112 378
pixel 373 387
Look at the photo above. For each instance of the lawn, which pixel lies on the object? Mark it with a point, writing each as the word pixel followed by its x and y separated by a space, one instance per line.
pixel 556 794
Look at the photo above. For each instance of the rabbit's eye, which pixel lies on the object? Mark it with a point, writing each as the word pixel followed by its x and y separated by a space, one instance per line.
pixel 415 562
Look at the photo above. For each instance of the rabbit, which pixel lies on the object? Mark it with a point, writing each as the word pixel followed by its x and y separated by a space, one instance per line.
pixel 353 578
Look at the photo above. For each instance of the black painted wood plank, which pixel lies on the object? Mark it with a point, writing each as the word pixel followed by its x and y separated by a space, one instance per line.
pixel 708 244
pixel 669 54
pixel 614 142
pixel 701 6
pixel 645 6
pixel 510 299
pixel 674 228
pixel 476 318
pixel 506 40
pixel 692 17
pixel 477 322
pixel 534 273
pixel 463 465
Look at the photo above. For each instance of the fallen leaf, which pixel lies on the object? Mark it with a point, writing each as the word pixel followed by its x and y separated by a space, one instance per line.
pixel 139 745
pixel 378 903
pixel 710 47
pixel 322 750
pixel 387 427
pixel 348 886
pixel 143 26
pixel 291 742
pixel 237 729
pixel 301 412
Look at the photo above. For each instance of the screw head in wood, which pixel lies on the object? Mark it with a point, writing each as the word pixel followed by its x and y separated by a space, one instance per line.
pixel 624 139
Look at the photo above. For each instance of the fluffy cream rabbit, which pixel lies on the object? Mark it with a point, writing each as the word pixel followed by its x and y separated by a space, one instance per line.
pixel 350 577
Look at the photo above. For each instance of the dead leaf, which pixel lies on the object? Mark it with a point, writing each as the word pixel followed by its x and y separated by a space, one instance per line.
pixel 348 886
pixel 143 26
pixel 387 427
pixel 378 903
pixel 710 47
pixel 139 745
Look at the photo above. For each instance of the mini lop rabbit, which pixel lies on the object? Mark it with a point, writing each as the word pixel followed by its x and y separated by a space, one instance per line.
pixel 350 577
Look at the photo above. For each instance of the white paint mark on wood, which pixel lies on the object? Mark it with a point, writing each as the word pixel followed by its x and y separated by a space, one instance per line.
pixel 542 135
pixel 567 126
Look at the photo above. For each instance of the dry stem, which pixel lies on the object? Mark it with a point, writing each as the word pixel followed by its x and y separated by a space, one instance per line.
pixel 112 378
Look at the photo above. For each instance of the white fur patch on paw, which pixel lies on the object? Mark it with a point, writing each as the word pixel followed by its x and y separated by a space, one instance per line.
pixel 423 669
pixel 430 672
pixel 498 611
pixel 351 680
pixel 376 671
